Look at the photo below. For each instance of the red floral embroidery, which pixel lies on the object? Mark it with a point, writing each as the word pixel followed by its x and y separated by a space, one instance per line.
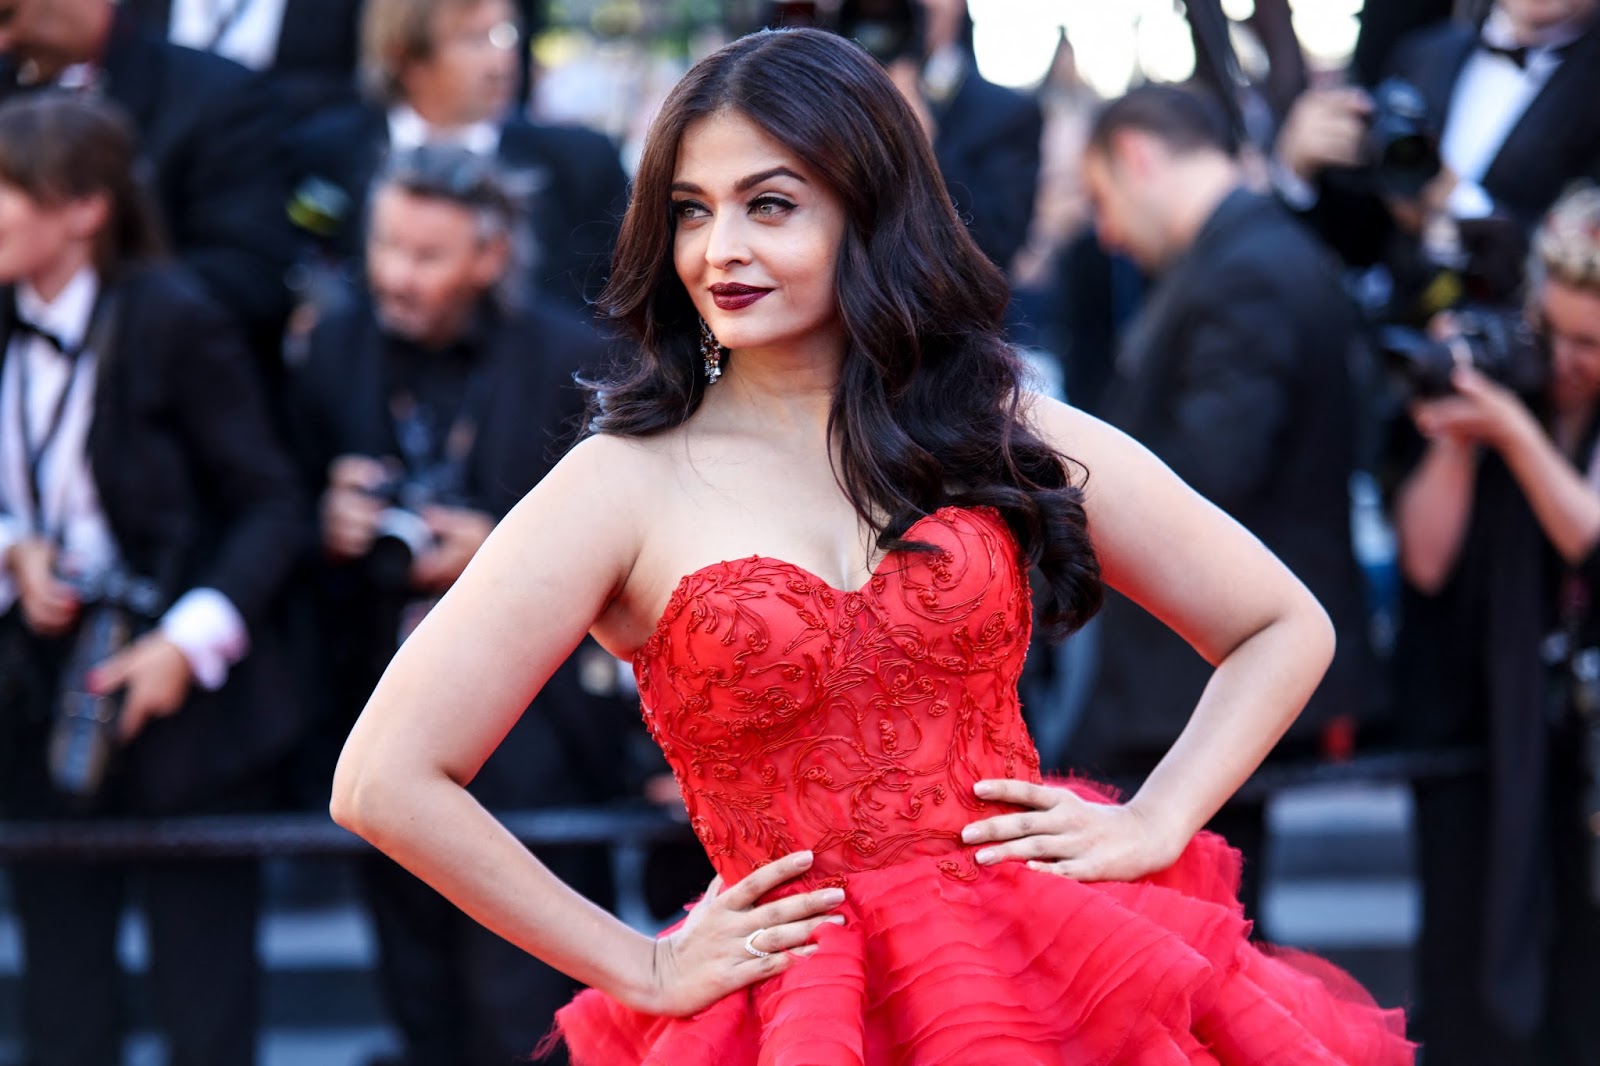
pixel 854 723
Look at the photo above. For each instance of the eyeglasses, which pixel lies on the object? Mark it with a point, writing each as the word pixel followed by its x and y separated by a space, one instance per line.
pixel 501 37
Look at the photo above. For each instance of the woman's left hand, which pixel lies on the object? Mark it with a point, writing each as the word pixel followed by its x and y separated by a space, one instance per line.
pixel 1479 411
pixel 1063 834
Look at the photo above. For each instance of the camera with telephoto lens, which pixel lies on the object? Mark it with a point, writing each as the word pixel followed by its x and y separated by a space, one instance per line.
pixel 402 533
pixel 888 29
pixel 115 607
pixel 1401 146
pixel 1500 344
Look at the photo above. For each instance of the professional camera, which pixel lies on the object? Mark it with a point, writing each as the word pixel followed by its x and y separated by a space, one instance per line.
pixel 1401 147
pixel 402 533
pixel 888 29
pixel 1498 344
pixel 116 606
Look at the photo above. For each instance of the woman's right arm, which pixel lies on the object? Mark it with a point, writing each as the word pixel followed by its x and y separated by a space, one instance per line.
pixel 456 687
pixel 1431 511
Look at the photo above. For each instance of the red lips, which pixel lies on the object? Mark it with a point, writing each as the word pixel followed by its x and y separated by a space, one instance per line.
pixel 730 296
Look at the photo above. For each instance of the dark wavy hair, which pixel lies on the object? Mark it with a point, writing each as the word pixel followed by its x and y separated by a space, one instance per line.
pixel 928 406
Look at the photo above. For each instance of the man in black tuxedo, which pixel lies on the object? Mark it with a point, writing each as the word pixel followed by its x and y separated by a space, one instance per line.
pixel 210 142
pixel 1236 373
pixel 426 411
pixel 445 72
pixel 134 441
pixel 1513 105
pixel 309 46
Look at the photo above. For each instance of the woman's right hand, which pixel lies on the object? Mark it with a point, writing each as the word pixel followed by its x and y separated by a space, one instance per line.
pixel 705 958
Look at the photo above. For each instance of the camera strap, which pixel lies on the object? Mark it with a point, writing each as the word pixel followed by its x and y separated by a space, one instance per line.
pixel 426 452
pixel 36 445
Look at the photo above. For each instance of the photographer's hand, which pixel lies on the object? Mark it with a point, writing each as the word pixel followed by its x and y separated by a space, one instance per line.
pixel 155 675
pixel 1479 412
pixel 49 606
pixel 460 532
pixel 1324 129
pixel 349 511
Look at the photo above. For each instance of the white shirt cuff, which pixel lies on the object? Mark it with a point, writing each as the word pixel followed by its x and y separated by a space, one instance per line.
pixel 207 628
pixel 1295 191
pixel 1469 200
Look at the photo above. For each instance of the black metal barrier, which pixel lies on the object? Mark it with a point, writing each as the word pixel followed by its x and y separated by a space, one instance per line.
pixel 312 833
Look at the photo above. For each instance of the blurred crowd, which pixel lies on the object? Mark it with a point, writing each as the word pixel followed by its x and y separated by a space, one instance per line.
pixel 294 293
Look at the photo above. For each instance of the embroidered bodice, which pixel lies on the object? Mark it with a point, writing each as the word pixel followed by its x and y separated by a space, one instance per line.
pixel 854 723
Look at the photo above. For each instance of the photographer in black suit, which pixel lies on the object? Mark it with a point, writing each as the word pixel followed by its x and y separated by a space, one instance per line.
pixel 1235 373
pixel 309 46
pixel 148 519
pixel 427 409
pixel 1510 108
pixel 444 72
pixel 210 137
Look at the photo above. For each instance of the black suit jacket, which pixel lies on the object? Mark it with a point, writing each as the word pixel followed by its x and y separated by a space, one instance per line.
pixel 210 140
pixel 1554 143
pixel 199 493
pixel 566 749
pixel 986 139
pixel 1237 374
pixel 576 189
pixel 318 46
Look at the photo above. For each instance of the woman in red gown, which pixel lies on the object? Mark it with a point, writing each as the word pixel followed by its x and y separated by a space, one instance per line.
pixel 820 515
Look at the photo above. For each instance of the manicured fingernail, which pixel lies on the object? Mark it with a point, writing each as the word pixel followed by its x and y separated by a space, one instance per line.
pixel 983 788
pixel 836 919
pixel 803 858
pixel 968 834
pixel 985 856
pixel 804 949
pixel 833 895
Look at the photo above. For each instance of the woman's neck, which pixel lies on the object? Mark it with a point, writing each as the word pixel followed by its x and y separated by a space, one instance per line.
pixel 777 388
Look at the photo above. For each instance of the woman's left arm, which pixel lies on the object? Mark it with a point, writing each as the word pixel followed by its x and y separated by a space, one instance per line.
pixel 1188 563
pixel 1566 505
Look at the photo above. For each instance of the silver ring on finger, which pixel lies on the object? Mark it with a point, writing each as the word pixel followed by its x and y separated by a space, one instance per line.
pixel 750 945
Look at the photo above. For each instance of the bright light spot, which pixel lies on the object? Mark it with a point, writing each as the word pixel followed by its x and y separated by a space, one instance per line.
pixel 1327 29
pixel 1014 40
pixel 1166 51
pixel 1238 10
pixel 1103 39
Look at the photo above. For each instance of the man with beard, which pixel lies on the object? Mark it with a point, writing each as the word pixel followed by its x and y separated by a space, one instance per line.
pixel 425 410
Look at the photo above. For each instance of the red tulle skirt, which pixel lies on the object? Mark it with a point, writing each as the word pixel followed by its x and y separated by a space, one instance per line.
pixel 1019 968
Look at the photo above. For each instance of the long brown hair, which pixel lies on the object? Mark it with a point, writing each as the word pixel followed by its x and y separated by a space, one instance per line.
pixel 59 146
pixel 928 407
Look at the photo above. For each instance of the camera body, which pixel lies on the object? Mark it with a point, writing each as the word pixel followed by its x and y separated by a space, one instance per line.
pixel 1500 344
pixel 1401 147
pixel 402 533
pixel 116 607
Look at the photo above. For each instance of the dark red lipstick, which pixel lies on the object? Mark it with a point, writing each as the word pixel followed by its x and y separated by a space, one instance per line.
pixel 730 296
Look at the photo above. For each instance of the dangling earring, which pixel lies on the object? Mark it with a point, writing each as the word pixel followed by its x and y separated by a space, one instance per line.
pixel 711 353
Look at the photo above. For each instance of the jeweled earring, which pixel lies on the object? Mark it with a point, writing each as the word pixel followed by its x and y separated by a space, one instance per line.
pixel 711 353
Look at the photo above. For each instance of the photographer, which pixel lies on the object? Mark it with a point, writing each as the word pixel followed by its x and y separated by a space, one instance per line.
pixel 426 409
pixel 1474 124
pixel 148 518
pixel 1498 523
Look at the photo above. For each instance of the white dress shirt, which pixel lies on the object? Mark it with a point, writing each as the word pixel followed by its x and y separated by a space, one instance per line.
pixel 1491 95
pixel 202 623
pixel 245 31
pixel 409 130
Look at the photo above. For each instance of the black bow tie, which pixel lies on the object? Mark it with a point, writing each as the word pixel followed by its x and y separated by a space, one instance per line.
pixel 1517 55
pixel 22 327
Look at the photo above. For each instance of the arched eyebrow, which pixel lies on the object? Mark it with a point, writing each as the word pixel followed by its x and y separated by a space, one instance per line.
pixel 743 183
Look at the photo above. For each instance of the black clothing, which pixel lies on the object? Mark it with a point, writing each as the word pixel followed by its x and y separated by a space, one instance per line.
pixel 318 45
pixel 573 177
pixel 459 994
pixel 986 140
pixel 1555 142
pixel 1509 955
pixel 1236 373
pixel 198 494
pixel 210 137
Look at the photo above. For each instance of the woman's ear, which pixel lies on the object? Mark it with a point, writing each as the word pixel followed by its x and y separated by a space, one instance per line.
pixel 87 215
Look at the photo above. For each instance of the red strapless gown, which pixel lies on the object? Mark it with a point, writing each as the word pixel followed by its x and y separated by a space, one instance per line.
pixel 796 715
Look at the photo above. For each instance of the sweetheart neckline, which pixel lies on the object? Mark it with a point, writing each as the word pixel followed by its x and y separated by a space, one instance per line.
pixel 758 557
